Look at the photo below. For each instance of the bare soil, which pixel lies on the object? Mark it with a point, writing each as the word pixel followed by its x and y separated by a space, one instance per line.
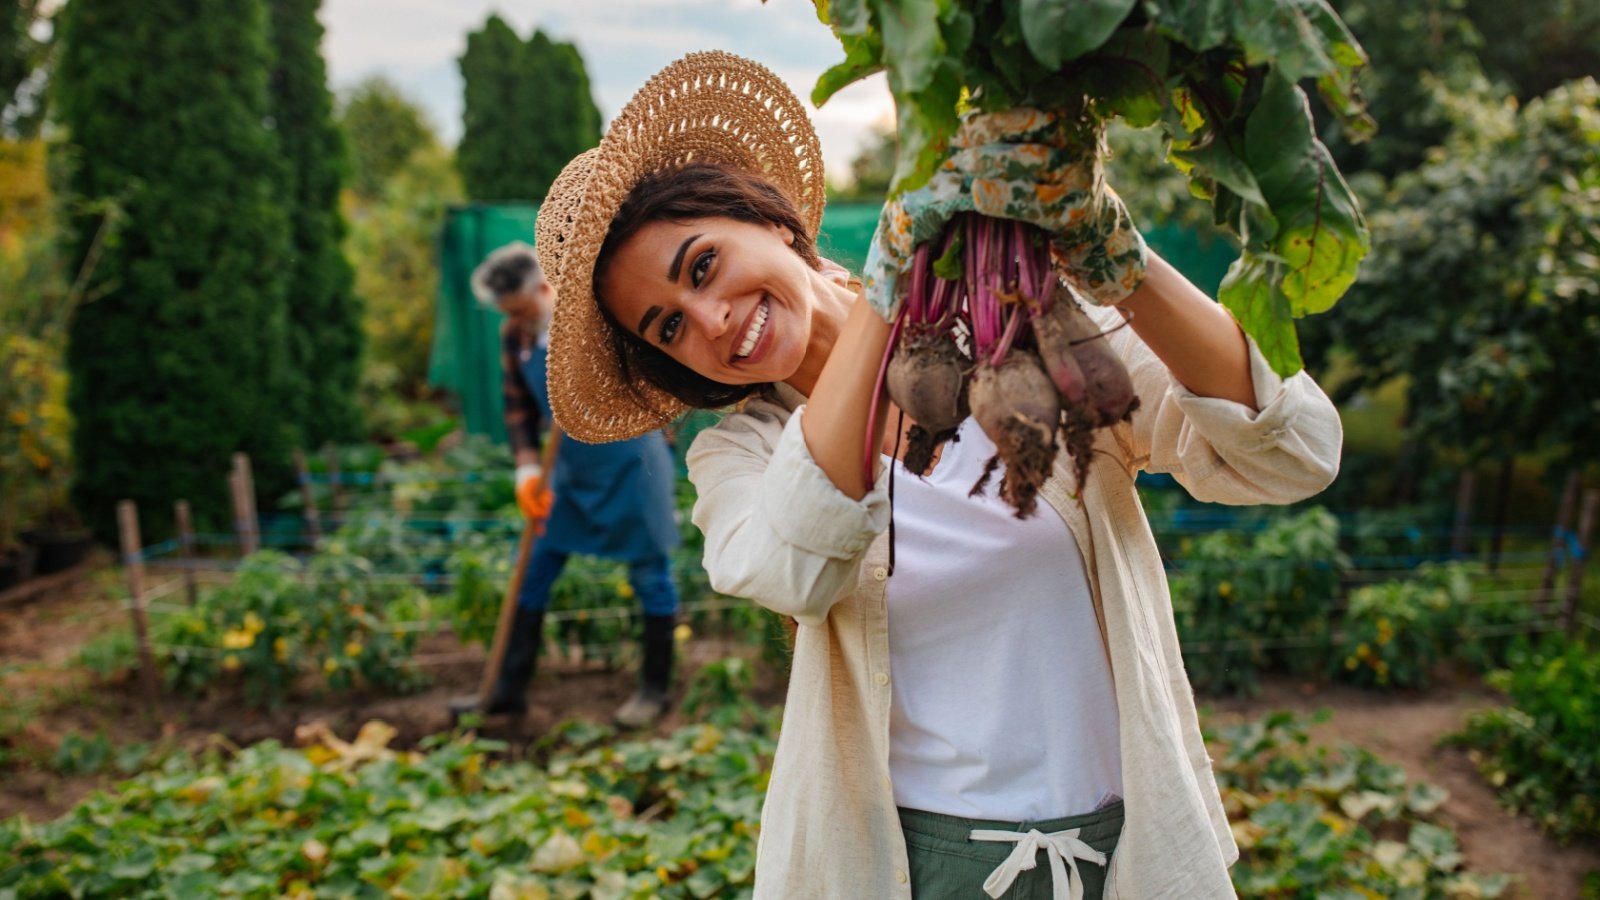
pixel 45 696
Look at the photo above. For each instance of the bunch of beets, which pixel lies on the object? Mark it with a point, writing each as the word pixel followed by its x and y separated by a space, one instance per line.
pixel 988 331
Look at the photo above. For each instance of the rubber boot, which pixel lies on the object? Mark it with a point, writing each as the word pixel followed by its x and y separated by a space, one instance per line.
pixel 649 702
pixel 510 696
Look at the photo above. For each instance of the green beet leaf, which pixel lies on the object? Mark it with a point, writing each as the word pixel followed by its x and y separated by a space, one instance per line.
pixel 1059 30
pixel 1220 77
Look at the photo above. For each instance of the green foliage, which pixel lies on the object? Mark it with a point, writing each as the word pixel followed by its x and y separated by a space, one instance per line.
pixel 27 40
pixel 1543 751
pixel 527 111
pixel 1251 602
pixel 392 244
pixel 872 170
pixel 1504 221
pixel 671 817
pixel 1393 632
pixel 38 294
pixel 109 655
pixel 180 359
pixel 1419 47
pixel 324 315
pixel 665 818
pixel 383 130
pixel 1333 823
pixel 719 693
pixel 1221 79
pixel 279 621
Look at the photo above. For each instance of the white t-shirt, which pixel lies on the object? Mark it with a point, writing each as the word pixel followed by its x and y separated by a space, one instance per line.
pixel 1003 706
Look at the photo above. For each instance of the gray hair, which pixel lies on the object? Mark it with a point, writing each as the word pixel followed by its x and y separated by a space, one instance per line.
pixel 507 271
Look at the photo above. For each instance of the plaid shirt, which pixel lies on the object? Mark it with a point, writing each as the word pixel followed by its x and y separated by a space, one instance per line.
pixel 524 419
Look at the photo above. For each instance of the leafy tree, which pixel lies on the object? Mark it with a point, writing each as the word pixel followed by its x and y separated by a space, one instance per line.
pixel 1412 46
pixel 1484 287
pixel 178 360
pixel 27 42
pixel 493 144
pixel 393 241
pixel 872 169
pixel 382 129
pixel 324 314
pixel 527 110
pixel 1537 46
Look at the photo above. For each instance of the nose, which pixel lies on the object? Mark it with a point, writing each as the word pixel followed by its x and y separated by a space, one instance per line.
pixel 712 315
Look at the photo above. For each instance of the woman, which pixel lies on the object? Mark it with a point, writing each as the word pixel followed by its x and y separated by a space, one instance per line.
pixel 612 500
pixel 1013 689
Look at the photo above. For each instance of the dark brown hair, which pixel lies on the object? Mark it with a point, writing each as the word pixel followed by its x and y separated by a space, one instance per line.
pixel 692 191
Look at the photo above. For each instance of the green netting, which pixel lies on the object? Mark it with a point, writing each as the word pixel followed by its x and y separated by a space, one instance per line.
pixel 466 357
pixel 466 334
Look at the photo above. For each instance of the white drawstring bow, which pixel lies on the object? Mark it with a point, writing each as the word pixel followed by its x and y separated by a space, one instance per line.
pixel 1063 848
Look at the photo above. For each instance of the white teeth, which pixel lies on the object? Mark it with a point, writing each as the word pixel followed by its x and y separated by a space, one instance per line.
pixel 754 332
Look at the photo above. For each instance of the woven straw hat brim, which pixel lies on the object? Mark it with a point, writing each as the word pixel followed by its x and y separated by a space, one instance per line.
pixel 707 107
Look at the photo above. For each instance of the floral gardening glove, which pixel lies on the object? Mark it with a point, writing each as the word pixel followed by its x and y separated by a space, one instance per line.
pixel 1021 164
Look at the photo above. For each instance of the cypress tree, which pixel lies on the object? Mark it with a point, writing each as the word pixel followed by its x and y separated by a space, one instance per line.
pixel 527 110
pixel 494 144
pixel 324 314
pixel 177 360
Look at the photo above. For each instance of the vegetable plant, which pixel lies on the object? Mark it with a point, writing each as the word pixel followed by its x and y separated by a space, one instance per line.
pixel 1221 80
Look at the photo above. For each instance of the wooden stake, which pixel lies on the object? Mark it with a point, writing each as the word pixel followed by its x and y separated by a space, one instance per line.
pixel 330 453
pixel 1461 538
pixel 186 550
pixel 244 506
pixel 1558 533
pixel 308 498
pixel 1591 507
pixel 133 566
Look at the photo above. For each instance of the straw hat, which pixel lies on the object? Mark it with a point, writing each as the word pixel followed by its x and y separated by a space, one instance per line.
pixel 707 107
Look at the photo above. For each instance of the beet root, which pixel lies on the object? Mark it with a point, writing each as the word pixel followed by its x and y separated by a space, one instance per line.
pixel 1055 351
pixel 927 381
pixel 1016 405
pixel 1107 386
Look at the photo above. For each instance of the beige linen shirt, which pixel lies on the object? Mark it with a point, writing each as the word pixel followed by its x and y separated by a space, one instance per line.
pixel 778 532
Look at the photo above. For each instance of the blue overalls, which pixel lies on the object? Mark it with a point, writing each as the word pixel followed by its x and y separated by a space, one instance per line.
pixel 612 500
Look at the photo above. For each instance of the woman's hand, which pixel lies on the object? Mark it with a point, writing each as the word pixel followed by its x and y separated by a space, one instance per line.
pixel 1029 166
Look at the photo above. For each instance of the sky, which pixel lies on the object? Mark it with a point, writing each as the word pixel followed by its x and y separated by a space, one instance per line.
pixel 415 44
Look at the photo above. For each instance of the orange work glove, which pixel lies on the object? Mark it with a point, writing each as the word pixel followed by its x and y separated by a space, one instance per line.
pixel 533 496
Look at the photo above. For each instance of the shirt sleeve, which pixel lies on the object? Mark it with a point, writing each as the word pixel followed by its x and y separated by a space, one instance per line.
pixel 1286 449
pixel 521 411
pixel 777 530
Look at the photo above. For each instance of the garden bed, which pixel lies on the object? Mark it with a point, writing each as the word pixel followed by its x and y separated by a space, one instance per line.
pixel 66 742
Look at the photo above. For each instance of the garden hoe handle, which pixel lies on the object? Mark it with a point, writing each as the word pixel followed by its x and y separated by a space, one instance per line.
pixel 508 608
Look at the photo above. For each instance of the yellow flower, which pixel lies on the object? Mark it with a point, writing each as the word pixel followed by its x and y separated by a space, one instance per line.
pixel 280 648
pixel 1225 590
pixel 352 649
pixel 238 638
pixel 253 623
pixel 329 665
pixel 1350 663
pixel 682 633
pixel 625 591
pixel 230 663
pixel 1364 651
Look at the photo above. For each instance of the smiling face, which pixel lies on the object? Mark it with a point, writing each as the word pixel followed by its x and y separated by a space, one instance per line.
pixel 730 300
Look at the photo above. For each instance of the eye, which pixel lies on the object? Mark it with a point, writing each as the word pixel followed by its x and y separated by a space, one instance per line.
pixel 702 265
pixel 669 327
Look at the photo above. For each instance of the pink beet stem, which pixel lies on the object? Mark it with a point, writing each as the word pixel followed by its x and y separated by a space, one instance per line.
pixel 877 391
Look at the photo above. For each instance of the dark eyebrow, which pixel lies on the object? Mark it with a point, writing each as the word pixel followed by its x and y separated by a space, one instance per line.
pixel 677 260
pixel 649 316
